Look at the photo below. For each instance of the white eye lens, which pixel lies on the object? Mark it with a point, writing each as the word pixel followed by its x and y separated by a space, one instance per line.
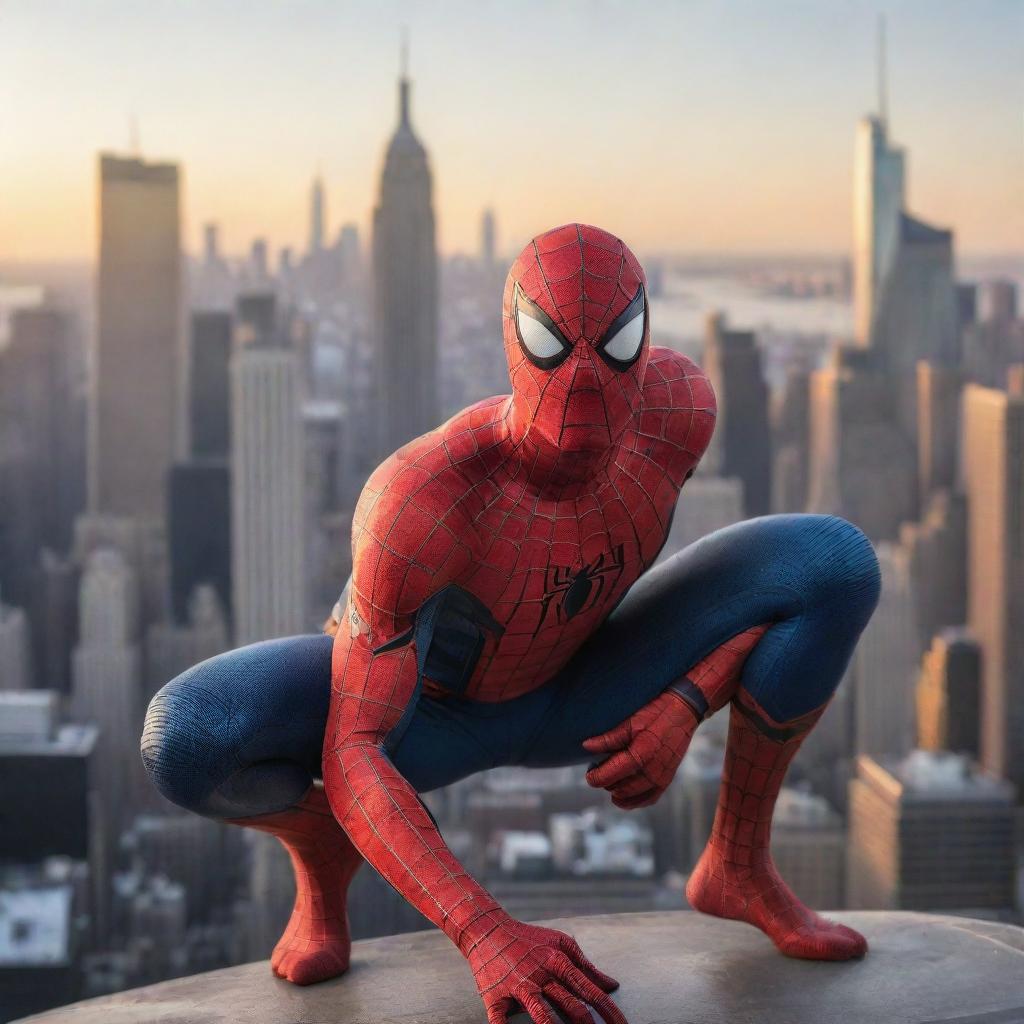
pixel 626 343
pixel 536 337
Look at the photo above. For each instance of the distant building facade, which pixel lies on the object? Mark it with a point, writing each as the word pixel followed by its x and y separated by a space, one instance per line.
pixel 136 384
pixel 993 476
pixel 885 664
pixel 405 290
pixel 199 535
pixel 267 480
pixel 928 832
pixel 878 193
pixel 741 444
pixel 938 426
pixel 15 652
pixel 47 773
pixel 209 392
pixel 106 686
pixel 41 423
pixel 791 415
pixel 949 694
pixel 862 465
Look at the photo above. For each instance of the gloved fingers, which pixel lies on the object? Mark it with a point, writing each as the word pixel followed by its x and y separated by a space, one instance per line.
pixel 497 1013
pixel 570 1007
pixel 539 1011
pixel 632 803
pixel 613 770
pixel 614 739
pixel 579 959
pixel 578 983
pixel 633 786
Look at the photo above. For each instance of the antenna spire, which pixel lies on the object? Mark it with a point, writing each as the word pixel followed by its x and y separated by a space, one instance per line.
pixel 883 91
pixel 403 81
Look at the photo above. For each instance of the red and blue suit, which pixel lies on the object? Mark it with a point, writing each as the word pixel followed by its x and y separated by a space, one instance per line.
pixel 503 611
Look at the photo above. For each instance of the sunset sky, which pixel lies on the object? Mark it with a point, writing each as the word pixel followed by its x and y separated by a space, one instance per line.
pixel 689 126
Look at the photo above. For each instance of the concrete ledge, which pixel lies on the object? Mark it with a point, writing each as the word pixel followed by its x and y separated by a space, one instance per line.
pixel 675 968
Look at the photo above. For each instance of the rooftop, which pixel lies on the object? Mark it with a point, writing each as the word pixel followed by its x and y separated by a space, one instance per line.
pixel 35 927
pixel 926 775
pixel 68 741
pixel 676 968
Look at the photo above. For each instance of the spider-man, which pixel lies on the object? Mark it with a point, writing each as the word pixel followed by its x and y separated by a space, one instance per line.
pixel 500 612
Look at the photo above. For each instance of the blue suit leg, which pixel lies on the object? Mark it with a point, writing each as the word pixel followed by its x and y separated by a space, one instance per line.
pixel 242 733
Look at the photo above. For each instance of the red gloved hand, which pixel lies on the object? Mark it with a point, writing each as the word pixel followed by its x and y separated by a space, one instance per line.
pixel 645 750
pixel 544 972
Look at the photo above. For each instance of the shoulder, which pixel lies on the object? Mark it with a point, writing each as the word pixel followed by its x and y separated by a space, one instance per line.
pixel 412 530
pixel 676 381
pixel 678 406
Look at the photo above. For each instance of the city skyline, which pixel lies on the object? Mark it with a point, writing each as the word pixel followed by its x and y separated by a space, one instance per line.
pixel 759 162
pixel 237 398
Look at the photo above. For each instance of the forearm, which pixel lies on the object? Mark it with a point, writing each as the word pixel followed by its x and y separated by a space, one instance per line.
pixel 387 822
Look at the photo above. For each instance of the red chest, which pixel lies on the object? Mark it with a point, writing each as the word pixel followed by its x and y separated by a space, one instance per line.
pixel 551 571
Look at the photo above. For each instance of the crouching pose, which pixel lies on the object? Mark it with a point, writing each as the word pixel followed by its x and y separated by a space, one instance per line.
pixel 500 612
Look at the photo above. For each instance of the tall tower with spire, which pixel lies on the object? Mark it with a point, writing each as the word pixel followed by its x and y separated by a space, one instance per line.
pixel 316 216
pixel 878 197
pixel 405 287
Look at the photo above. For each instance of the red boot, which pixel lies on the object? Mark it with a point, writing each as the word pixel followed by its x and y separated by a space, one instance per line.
pixel 315 945
pixel 735 877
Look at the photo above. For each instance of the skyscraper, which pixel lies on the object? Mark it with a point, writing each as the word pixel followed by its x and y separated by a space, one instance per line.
pixel 41 450
pixel 39 374
pixel 405 287
pixel 948 694
pixel 997 301
pixel 488 239
pixel 935 546
pixel 259 262
pixel 993 477
pixel 741 445
pixel 905 299
pixel 316 216
pixel 878 190
pixel 711 503
pixel 791 416
pixel 915 312
pixel 938 423
pixel 199 533
pixel 54 613
pixel 107 681
pixel 209 389
pixel 927 832
pixel 15 671
pixel 267 479
pixel 861 465
pixel 885 664
pixel 996 341
pixel 138 337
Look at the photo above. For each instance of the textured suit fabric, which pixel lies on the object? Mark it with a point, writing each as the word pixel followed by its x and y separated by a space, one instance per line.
pixel 242 734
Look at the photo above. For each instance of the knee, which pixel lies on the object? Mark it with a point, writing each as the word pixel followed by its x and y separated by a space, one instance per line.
pixel 177 746
pixel 842 566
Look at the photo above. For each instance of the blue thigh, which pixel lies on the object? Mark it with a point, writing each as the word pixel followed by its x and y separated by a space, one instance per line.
pixel 242 733
pixel 814 578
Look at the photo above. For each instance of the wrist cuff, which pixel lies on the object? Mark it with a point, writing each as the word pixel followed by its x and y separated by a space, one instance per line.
pixel 691 695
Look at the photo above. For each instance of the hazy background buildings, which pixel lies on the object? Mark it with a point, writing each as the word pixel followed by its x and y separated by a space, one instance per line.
pixel 185 425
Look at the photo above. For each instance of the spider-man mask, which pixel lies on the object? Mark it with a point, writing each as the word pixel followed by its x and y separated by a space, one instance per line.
pixel 576 338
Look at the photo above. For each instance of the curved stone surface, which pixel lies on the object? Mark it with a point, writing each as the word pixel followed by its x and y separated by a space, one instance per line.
pixel 676 968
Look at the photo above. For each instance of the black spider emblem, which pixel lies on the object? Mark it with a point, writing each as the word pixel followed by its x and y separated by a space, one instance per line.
pixel 572 591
